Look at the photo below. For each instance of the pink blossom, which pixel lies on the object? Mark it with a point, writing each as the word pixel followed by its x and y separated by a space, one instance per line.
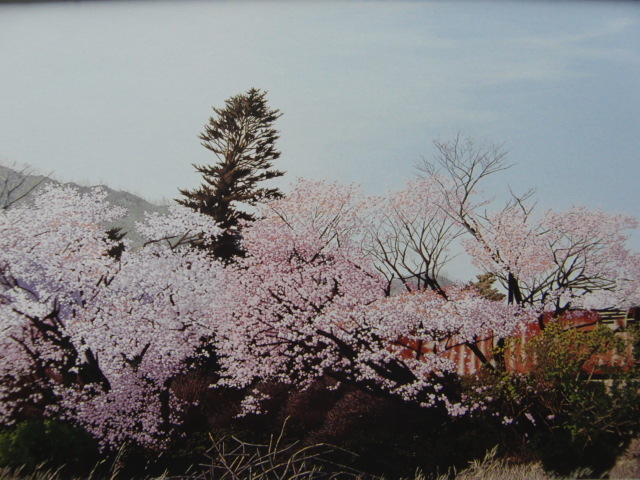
pixel 104 336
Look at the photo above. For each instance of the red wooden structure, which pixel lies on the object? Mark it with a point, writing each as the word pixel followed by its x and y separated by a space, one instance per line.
pixel 468 362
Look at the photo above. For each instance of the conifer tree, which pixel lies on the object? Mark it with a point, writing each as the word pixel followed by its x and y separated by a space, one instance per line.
pixel 484 285
pixel 242 137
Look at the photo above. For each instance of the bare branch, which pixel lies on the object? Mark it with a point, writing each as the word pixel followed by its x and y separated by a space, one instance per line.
pixel 15 185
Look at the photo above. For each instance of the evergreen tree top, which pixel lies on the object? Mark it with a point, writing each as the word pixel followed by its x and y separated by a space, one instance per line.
pixel 242 137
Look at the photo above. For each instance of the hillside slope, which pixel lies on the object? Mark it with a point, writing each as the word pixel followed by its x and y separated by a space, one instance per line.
pixel 23 184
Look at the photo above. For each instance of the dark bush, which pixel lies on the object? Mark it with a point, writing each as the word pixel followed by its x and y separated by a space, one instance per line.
pixel 50 443
pixel 567 411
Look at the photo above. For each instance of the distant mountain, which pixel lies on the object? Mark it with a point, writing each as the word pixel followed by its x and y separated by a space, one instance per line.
pixel 22 182
pixel 397 286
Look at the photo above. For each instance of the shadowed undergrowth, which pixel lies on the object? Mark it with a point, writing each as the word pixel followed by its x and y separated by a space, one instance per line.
pixel 232 459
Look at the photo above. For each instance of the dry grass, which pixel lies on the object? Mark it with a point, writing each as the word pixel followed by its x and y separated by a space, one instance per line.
pixel 491 467
pixel 55 474
pixel 233 459
pixel 628 465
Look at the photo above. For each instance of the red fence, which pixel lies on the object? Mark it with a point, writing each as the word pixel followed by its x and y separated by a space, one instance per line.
pixel 469 362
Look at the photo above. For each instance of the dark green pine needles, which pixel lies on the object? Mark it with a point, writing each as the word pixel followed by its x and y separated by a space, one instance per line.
pixel 242 137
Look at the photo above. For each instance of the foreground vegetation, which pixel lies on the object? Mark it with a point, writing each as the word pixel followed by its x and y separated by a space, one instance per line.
pixel 489 467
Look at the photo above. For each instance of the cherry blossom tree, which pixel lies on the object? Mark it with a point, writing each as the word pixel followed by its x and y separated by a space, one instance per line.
pixel 561 259
pixel 410 236
pixel 554 261
pixel 312 297
pixel 307 301
pixel 96 338
pixel 301 260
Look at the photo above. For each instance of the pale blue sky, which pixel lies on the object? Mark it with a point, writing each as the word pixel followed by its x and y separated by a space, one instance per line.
pixel 117 92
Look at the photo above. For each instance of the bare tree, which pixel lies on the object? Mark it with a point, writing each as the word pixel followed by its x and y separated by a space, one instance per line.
pixel 459 166
pixel 556 259
pixel 16 185
pixel 415 229
pixel 411 237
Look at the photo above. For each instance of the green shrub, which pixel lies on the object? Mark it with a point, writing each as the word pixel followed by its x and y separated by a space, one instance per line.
pixel 567 413
pixel 50 443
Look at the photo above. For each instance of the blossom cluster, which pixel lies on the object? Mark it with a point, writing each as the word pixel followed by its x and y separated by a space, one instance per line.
pixel 306 301
pixel 574 258
pixel 99 338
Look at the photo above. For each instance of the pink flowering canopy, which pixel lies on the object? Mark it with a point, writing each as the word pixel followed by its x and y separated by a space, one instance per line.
pixel 301 260
pixel 97 339
pixel 307 301
pixel 559 260
pixel 576 258
pixel 409 235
